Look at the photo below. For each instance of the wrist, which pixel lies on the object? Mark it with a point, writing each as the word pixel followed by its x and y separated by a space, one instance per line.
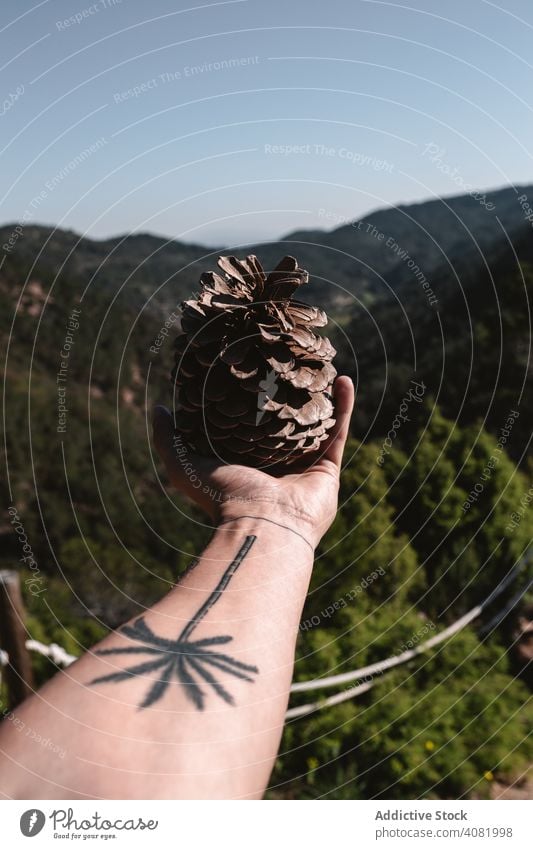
pixel 283 525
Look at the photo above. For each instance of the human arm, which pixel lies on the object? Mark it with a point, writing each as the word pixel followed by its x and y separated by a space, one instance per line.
pixel 200 712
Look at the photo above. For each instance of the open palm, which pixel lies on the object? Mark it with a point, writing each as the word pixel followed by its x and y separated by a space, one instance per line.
pixel 307 495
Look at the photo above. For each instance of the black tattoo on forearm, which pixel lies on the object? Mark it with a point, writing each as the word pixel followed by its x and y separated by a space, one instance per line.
pixel 182 658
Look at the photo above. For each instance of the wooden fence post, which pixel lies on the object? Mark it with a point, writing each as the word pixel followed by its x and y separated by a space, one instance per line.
pixel 18 672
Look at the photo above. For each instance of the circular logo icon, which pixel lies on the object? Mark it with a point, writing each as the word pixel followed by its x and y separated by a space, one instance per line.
pixel 32 822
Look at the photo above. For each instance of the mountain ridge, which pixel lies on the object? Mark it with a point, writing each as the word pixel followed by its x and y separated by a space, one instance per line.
pixel 350 264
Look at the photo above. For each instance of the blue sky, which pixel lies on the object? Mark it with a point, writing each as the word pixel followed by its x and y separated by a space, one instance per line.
pixel 236 121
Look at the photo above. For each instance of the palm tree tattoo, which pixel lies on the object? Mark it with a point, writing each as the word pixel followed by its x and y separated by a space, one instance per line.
pixel 184 659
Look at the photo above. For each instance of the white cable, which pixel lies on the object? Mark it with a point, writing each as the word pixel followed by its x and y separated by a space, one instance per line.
pixel 396 660
pixel 506 610
pixel 350 693
pixel 56 653
pixel 390 662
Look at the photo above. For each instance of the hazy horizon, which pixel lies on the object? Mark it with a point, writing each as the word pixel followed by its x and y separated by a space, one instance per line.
pixel 279 237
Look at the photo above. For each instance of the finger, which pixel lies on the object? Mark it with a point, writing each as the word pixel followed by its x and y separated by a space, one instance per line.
pixel 344 398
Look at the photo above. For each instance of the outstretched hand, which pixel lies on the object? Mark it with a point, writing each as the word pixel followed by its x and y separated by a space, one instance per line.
pixel 307 497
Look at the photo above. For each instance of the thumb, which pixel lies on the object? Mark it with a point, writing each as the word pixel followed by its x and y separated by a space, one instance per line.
pixel 344 398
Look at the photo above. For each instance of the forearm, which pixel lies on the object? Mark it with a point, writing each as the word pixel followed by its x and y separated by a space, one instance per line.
pixel 201 711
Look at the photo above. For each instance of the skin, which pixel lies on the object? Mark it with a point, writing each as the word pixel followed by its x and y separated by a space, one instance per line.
pixel 112 747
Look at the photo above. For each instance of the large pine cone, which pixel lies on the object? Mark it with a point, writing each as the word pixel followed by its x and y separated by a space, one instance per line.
pixel 253 381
